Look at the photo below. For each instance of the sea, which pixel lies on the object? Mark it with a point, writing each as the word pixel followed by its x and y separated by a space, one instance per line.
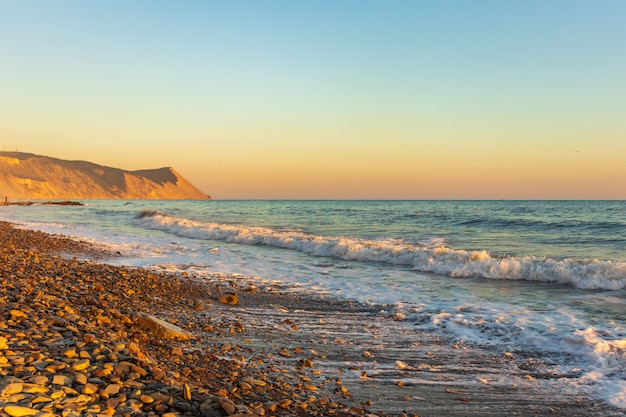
pixel 547 277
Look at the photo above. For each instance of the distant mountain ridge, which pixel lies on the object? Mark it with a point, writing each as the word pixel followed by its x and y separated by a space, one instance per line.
pixel 29 176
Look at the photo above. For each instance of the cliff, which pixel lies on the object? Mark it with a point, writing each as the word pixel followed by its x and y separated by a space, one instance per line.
pixel 28 176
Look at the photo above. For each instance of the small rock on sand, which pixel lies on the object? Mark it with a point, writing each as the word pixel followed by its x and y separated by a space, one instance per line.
pixel 161 328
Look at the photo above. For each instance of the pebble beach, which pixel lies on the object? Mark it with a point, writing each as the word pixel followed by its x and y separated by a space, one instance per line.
pixel 80 337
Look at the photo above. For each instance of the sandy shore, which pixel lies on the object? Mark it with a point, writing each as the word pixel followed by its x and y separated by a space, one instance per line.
pixel 74 341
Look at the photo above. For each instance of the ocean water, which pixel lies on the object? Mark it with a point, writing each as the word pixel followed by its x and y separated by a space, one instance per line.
pixel 547 277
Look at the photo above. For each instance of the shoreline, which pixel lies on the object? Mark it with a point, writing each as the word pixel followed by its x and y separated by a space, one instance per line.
pixel 6 202
pixel 271 353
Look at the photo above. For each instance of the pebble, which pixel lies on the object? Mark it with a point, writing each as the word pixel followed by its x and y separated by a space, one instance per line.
pixel 73 343
pixel 230 299
pixel 80 378
pixel 81 365
pixel 228 406
pixel 61 380
pixel 146 399
pixel 161 328
pixel 17 411
pixel 10 389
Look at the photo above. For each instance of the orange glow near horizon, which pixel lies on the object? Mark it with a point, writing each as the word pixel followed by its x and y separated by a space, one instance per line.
pixel 480 101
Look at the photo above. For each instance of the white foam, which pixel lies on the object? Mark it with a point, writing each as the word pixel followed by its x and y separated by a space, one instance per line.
pixel 609 365
pixel 430 256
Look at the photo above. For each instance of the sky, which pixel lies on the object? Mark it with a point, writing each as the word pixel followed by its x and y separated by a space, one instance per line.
pixel 341 99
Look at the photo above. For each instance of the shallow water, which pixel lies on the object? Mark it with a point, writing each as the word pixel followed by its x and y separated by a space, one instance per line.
pixel 546 277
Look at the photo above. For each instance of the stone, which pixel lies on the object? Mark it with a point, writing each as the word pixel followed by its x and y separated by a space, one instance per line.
pixel 146 399
pixel 112 389
pixel 40 399
pixel 89 389
pixel 62 380
pixel 138 370
pixel 207 408
pixel 134 349
pixel 228 406
pixel 82 398
pixel 161 328
pixel 80 378
pixel 57 394
pixel 18 411
pixel 3 343
pixel 12 388
pixel 230 299
pixel 18 314
pixel 34 389
pixel 257 382
pixel 15 398
pixel 39 380
pixel 81 365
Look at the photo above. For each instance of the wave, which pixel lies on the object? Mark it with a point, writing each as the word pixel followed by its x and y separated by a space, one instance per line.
pixel 537 224
pixel 148 213
pixel 427 256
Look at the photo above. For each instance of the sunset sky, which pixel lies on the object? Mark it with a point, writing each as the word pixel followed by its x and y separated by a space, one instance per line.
pixel 327 99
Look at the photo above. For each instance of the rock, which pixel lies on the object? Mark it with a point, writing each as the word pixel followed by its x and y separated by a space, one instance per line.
pixel 90 389
pixel 40 399
pixel 57 394
pixel 161 328
pixel 34 389
pixel 207 409
pixel 18 314
pixel 13 399
pixel 17 411
pixel 3 343
pixel 163 398
pixel 187 392
pixel 89 338
pixel 112 389
pixel 38 380
pixel 134 349
pixel 12 388
pixel 81 365
pixel 183 406
pixel 62 380
pixel 228 406
pixel 146 399
pixel 80 378
pixel 230 299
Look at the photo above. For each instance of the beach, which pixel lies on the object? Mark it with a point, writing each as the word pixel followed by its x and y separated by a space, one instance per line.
pixel 73 342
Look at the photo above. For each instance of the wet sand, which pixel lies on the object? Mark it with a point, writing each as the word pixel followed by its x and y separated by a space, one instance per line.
pixel 72 342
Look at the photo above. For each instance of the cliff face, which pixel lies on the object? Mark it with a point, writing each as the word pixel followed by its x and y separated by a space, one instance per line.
pixel 28 176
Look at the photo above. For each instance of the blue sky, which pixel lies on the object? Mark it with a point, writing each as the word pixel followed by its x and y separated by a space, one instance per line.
pixel 326 99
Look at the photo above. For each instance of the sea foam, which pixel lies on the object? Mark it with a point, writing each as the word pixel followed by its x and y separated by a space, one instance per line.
pixel 427 256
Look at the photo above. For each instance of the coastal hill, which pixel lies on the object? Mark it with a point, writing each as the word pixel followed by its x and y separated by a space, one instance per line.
pixel 29 176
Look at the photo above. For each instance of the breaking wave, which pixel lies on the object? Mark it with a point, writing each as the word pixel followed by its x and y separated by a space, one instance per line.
pixel 428 256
